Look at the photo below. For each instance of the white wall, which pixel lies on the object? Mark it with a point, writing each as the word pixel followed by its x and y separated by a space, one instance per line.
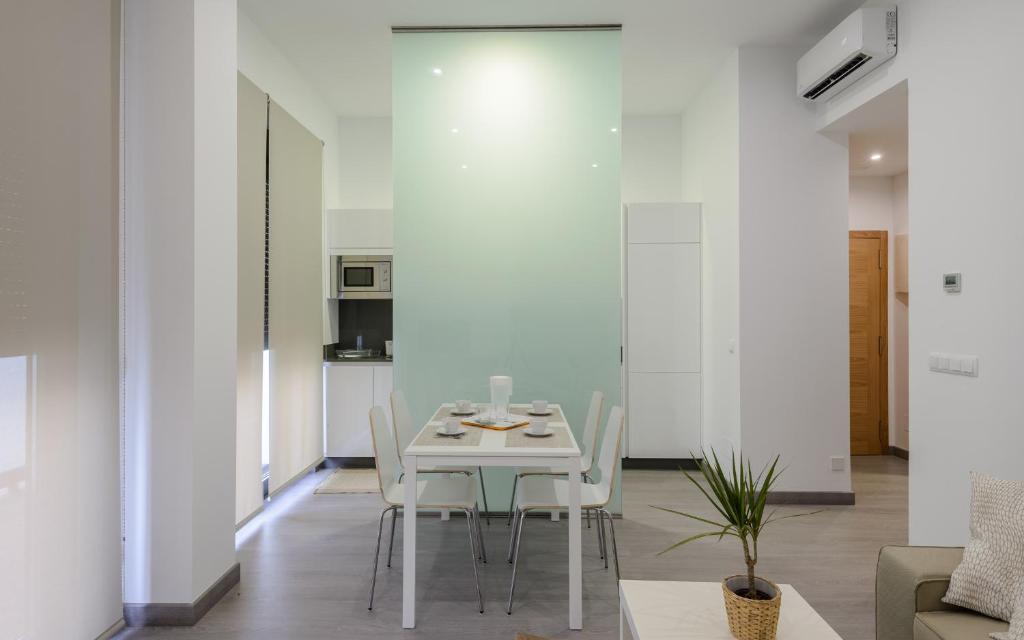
pixel 966 133
pixel 899 323
pixel 651 159
pixel 364 163
pixel 873 207
pixel 180 195
pixel 710 175
pixel 261 61
pixel 60 507
pixel 793 279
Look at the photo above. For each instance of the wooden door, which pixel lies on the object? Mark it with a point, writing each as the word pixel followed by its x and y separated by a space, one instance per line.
pixel 869 403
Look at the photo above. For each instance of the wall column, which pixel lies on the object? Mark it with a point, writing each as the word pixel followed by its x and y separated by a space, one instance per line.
pixel 179 281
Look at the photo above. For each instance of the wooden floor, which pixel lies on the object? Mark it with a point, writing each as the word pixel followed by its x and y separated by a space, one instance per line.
pixel 306 568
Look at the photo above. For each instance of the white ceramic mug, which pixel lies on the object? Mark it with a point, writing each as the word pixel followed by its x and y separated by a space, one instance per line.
pixel 452 426
pixel 540 406
pixel 463 406
pixel 388 348
pixel 538 427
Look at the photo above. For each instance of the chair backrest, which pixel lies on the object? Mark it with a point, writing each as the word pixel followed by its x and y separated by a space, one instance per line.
pixel 590 429
pixel 384 450
pixel 403 421
pixel 608 462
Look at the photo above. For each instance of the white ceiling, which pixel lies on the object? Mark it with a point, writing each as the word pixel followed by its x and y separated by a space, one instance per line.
pixel 879 126
pixel 669 47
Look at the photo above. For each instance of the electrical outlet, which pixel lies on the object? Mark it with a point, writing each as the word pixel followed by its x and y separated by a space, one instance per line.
pixel 838 463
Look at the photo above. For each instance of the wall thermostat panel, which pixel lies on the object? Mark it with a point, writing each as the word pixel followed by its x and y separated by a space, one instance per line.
pixel 951 282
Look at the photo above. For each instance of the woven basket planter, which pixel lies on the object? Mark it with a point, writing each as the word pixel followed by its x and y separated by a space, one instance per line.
pixel 751 619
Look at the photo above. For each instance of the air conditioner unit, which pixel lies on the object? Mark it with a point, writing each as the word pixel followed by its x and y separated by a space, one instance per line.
pixel 861 42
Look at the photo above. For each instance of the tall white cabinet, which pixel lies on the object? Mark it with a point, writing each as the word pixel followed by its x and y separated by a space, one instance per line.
pixel 663 329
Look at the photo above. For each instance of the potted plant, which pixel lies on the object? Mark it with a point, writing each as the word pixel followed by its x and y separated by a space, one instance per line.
pixel 751 603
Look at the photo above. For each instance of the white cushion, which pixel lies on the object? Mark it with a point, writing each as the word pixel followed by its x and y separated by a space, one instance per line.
pixel 438 493
pixel 990 577
pixel 548 492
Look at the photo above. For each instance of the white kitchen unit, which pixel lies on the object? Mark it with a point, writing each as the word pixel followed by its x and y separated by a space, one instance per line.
pixel 351 389
pixel 663 330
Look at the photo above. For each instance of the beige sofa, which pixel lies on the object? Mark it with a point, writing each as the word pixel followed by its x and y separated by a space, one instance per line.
pixel 909 585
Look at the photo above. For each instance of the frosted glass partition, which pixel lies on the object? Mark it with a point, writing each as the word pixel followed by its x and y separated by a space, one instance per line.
pixel 507 216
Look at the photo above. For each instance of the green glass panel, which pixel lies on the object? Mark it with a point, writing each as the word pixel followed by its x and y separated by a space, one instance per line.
pixel 507 219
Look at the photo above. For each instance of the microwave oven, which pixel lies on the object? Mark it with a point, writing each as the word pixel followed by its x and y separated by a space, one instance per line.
pixel 361 277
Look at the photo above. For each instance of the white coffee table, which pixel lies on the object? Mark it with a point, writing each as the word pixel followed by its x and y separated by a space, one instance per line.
pixel 660 610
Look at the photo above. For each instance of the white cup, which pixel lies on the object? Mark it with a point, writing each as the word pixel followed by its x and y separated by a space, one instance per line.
pixel 452 426
pixel 540 406
pixel 538 427
pixel 463 406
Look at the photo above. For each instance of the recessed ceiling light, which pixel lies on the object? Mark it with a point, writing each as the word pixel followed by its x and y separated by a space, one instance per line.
pixel 875 157
pixel 455 129
pixel 614 129
pixel 465 166
pixel 594 165
pixel 437 71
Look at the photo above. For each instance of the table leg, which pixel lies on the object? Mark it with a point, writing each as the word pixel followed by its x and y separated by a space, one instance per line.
pixel 575 547
pixel 409 546
pixel 445 515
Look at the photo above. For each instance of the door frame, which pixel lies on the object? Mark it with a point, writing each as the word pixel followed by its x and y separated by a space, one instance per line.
pixel 883 370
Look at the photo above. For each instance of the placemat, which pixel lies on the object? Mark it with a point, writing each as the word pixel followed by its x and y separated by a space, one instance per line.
pixel 429 438
pixel 556 413
pixel 518 438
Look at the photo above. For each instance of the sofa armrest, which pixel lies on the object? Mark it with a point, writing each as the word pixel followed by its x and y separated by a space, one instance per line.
pixel 908 580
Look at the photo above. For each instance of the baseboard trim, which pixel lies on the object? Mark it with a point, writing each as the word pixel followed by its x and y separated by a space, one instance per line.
pixel 899 453
pixel 349 463
pixel 112 630
pixel 672 464
pixel 173 614
pixel 811 497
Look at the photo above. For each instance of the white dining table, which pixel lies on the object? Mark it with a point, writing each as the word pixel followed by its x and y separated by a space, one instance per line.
pixel 492 450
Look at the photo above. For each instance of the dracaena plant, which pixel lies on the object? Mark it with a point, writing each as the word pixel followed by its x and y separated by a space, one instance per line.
pixel 739 497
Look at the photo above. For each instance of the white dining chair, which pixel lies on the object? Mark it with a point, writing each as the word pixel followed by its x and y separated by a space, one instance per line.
pixel 544 493
pixel 589 443
pixel 404 425
pixel 457 493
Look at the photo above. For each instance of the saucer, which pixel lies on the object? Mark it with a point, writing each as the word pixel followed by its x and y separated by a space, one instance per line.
pixel 456 412
pixel 540 413
pixel 444 434
pixel 549 432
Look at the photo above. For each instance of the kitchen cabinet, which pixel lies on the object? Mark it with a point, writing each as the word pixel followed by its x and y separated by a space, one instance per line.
pixel 663 330
pixel 351 389
pixel 359 231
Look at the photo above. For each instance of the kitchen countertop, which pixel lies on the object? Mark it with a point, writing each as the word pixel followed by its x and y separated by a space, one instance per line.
pixel 357 361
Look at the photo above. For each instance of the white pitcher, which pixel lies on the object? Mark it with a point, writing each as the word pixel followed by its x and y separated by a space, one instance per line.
pixel 501 393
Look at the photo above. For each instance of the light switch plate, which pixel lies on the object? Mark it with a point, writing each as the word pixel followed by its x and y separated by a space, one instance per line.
pixel 953 363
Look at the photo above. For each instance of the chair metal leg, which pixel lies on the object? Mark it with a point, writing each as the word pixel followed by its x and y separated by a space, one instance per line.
pixel 512 536
pixel 602 544
pixel 472 551
pixel 483 491
pixel 615 549
pixel 515 559
pixel 480 534
pixel 391 543
pixel 376 554
pixel 512 501
pixel 587 479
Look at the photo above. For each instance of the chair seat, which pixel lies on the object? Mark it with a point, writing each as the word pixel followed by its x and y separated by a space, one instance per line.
pixel 544 471
pixel 438 493
pixel 548 492
pixel 445 469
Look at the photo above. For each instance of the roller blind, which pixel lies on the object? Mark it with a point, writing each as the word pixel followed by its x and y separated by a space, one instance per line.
pixel 295 304
pixel 252 178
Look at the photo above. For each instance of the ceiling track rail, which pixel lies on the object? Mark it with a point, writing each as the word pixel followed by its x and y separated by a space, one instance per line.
pixel 511 27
